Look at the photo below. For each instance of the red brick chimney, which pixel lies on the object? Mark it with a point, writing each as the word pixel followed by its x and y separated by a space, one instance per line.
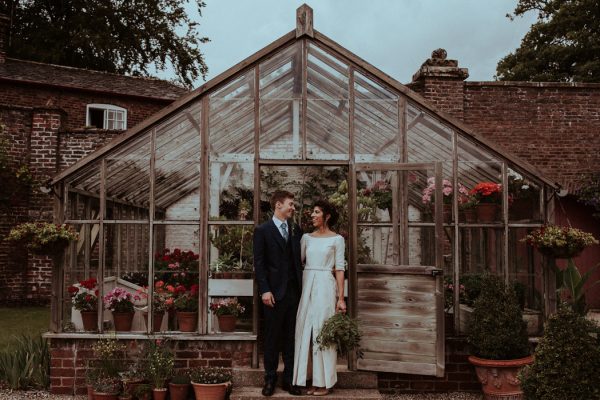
pixel 4 27
pixel 441 82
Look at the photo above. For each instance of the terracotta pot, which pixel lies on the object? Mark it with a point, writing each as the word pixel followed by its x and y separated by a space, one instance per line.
pixel 226 323
pixel 227 275
pixel 217 275
pixel 90 320
pixel 106 396
pixel 216 391
pixel 179 391
pixel 486 212
pixel 188 321
pixel 159 394
pixel 237 275
pixel 90 392
pixel 156 322
pixel 499 378
pixel 122 321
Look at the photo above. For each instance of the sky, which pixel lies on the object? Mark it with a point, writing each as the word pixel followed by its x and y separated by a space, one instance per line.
pixel 396 36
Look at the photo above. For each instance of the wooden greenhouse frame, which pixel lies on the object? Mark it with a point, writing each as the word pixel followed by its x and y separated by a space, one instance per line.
pixel 303 100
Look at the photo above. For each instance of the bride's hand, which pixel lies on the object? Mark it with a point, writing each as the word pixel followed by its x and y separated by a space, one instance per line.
pixel 341 306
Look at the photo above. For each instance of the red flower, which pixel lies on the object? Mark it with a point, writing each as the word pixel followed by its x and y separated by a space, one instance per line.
pixel 194 289
pixel 73 290
pixel 180 289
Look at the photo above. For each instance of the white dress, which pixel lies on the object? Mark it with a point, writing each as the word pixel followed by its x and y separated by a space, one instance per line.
pixel 317 305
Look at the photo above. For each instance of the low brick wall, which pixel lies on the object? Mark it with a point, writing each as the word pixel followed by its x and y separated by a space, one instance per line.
pixel 459 375
pixel 70 357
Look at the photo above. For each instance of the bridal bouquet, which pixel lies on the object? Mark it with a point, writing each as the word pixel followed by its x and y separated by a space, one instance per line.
pixel 340 331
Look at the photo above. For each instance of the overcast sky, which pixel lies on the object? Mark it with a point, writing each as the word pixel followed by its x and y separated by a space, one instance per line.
pixel 395 36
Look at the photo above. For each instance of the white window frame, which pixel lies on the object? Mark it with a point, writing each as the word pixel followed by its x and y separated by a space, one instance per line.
pixel 106 108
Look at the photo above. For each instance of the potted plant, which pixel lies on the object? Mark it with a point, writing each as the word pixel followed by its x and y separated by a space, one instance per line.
pixel 162 301
pixel 340 331
pixel 227 310
pixel 143 392
pixel 211 383
pixel 120 302
pixel 466 205
pixel 566 361
pixel 43 238
pixel 109 355
pixel 106 388
pixel 85 299
pixel 429 195
pixel 158 362
pixel 179 386
pixel 186 304
pixel 91 375
pixel 489 198
pixel 497 335
pixel 559 241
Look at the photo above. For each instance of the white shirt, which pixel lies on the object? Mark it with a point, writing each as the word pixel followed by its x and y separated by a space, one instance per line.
pixel 278 223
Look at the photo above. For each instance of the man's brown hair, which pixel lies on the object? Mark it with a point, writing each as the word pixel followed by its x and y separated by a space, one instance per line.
pixel 280 195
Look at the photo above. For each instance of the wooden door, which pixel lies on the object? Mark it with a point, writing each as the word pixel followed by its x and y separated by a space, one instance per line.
pixel 396 280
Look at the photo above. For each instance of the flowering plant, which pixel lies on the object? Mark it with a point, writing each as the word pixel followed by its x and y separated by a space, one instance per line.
pixel 429 191
pixel 228 306
pixel 176 267
pixel 119 300
pixel 487 192
pixel 559 240
pixel 210 375
pixel 381 192
pixel 185 300
pixel 159 363
pixel 85 296
pixel 162 299
pixel 42 237
pixel 518 186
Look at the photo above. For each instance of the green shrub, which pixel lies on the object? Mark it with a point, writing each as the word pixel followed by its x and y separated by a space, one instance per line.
pixel 566 361
pixel 496 327
pixel 26 363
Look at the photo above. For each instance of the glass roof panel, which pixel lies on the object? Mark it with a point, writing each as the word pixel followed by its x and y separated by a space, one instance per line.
pixel 280 92
pixel 376 132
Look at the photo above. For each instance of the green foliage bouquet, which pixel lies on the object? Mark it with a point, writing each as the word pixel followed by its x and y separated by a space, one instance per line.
pixel 42 237
pixel 340 331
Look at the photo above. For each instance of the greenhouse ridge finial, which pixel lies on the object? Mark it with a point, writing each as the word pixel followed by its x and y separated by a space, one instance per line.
pixel 304 21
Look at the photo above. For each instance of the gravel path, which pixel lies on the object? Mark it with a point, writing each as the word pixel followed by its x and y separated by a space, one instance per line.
pixel 434 396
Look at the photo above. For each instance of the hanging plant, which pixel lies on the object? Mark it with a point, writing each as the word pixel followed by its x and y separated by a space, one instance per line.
pixel 42 238
pixel 559 241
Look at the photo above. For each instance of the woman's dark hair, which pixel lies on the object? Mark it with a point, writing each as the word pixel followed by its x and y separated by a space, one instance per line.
pixel 328 209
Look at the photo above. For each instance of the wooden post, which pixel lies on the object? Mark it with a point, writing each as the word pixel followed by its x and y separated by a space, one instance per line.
pixel 304 21
pixel 58 267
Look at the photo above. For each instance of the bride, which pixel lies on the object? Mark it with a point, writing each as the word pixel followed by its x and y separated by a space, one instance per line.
pixel 323 254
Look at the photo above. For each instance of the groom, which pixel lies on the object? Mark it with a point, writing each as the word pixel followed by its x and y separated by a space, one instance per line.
pixel 278 273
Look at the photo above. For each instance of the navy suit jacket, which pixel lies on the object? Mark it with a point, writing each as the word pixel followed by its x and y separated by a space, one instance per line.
pixel 271 262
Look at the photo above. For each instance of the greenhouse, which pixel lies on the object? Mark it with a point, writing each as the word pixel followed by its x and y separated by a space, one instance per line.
pixel 166 211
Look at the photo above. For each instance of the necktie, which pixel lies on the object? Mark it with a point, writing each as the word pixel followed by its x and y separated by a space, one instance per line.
pixel 284 231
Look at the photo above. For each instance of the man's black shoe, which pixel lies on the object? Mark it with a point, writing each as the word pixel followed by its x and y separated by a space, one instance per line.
pixel 268 388
pixel 291 389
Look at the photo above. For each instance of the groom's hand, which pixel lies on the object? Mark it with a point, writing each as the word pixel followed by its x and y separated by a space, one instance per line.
pixel 268 299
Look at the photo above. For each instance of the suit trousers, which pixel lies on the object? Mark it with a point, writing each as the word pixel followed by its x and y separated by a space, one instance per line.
pixel 280 327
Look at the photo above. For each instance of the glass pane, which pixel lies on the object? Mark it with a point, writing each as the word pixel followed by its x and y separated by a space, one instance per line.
pixel 81 265
pixel 308 184
pixel 482 251
pixel 84 193
pixel 231 252
pixel 376 131
pixel 523 197
pixel 125 270
pixel 176 272
pixel 231 120
pixel 128 181
pixel 327 110
pixel 427 138
pixel 231 190
pixel 177 175
pixel 280 105
pixel 376 246
pixel 375 195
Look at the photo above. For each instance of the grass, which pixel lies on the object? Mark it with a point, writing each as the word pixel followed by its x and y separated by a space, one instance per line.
pixel 22 320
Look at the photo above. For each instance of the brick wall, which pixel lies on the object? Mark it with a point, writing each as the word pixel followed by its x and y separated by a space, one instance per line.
pixel 70 357
pixel 73 102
